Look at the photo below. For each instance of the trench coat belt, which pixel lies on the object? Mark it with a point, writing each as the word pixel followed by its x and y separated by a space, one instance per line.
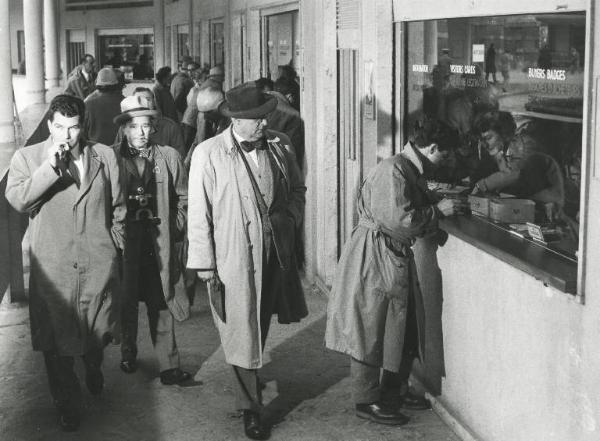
pixel 371 225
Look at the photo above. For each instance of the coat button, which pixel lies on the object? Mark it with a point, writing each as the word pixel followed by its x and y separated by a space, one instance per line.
pixel 75 265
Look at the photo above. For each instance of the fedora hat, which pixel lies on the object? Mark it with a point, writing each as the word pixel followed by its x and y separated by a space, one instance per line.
pixel 209 99
pixel 247 101
pixel 107 76
pixel 131 107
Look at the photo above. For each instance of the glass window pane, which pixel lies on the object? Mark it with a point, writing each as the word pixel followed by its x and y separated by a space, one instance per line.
pixel 132 53
pixel 512 86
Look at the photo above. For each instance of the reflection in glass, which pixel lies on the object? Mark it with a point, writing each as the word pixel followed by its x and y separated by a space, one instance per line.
pixel 512 86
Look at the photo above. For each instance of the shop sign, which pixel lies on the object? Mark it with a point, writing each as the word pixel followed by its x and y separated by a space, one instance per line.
pixel 478 53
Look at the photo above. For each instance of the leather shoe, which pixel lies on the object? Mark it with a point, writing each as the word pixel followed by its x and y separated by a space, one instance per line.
pixel 410 401
pixel 68 422
pixel 94 379
pixel 128 366
pixel 174 376
pixel 253 426
pixel 381 414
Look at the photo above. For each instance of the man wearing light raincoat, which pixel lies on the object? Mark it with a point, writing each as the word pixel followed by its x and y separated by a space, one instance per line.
pixel 375 312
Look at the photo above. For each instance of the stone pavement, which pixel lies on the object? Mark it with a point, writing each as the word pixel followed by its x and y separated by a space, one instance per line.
pixel 307 395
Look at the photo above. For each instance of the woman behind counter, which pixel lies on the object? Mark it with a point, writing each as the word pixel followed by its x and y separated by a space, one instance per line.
pixel 527 172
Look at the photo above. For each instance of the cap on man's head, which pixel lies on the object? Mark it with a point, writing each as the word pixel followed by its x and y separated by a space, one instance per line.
pixel 131 107
pixel 107 76
pixel 216 71
pixel 247 101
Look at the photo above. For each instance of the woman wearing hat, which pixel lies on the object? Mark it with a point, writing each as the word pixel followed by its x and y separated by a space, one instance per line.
pixel 156 187
pixel 246 201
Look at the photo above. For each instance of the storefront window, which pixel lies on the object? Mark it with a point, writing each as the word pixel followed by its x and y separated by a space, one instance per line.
pixel 131 50
pixel 197 41
pixel 512 86
pixel 282 45
pixel 183 41
pixel 217 46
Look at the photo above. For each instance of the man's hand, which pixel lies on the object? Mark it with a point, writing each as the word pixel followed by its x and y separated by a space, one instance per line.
pixel 57 150
pixel 450 207
pixel 207 275
pixel 479 188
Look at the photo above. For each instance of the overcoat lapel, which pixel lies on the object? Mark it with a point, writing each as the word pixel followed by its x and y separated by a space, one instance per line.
pixel 92 167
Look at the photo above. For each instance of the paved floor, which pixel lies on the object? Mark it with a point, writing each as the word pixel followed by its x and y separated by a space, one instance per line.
pixel 307 392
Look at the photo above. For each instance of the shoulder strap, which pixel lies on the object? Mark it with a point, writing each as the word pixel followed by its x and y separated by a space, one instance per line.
pixel 262 205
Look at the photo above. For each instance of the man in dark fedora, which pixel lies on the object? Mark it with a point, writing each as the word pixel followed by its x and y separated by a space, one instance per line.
pixel 246 198
pixel 155 183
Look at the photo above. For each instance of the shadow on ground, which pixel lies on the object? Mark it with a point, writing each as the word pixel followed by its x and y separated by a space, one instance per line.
pixel 302 369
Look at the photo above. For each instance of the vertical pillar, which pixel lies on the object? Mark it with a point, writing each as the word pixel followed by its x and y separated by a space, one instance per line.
pixel 7 129
pixel 34 54
pixel 51 43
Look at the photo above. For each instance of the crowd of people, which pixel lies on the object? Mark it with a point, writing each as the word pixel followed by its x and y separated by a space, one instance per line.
pixel 138 198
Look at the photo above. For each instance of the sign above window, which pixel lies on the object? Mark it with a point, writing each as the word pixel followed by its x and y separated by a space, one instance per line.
pixel 79 5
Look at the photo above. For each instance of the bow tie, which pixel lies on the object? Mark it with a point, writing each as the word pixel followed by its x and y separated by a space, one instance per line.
pixel 142 153
pixel 250 146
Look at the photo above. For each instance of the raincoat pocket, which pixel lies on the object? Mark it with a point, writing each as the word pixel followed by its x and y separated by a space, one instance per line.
pixel 394 271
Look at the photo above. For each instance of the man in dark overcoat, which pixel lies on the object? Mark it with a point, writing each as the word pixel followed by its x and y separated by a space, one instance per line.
pixel 82 80
pixel 155 183
pixel 162 95
pixel 102 106
pixel 71 190
pixel 246 201
pixel 375 312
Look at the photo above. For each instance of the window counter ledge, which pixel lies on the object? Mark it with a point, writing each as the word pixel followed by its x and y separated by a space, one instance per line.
pixel 549 267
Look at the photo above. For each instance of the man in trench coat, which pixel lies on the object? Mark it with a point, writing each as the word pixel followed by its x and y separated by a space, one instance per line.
pixel 375 312
pixel 70 188
pixel 246 198
pixel 155 183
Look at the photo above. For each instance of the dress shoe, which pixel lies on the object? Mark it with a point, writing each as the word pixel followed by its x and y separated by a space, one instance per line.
pixel 128 366
pixel 94 379
pixel 68 421
pixel 381 413
pixel 253 426
pixel 410 401
pixel 174 376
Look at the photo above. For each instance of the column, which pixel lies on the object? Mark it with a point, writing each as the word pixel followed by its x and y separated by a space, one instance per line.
pixel 51 43
pixel 34 54
pixel 7 129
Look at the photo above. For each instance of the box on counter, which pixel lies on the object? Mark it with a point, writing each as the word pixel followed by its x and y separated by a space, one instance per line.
pixel 512 211
pixel 479 205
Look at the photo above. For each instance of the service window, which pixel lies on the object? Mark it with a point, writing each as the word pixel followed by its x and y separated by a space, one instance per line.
pixel 130 50
pixel 513 87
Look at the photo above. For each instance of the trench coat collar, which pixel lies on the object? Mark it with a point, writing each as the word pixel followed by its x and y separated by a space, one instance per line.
pixel 92 166
pixel 410 153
